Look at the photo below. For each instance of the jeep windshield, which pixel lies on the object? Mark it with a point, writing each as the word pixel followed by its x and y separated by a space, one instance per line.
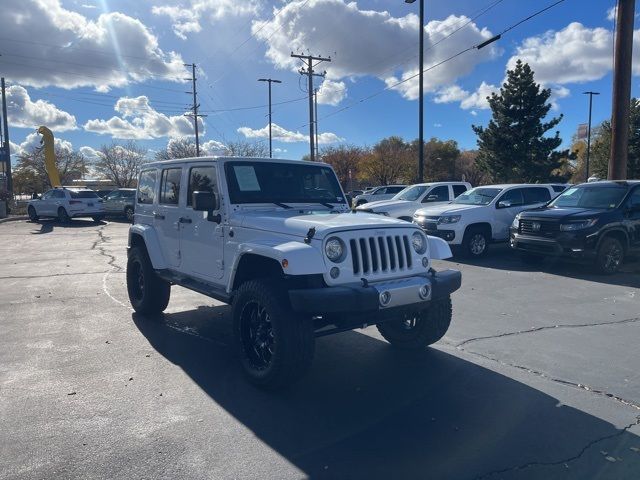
pixel 411 194
pixel 477 196
pixel 279 182
pixel 593 197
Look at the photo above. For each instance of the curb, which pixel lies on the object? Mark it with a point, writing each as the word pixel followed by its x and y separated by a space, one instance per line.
pixel 14 219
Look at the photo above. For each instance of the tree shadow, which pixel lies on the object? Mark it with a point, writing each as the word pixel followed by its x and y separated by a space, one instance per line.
pixel 502 257
pixel 367 411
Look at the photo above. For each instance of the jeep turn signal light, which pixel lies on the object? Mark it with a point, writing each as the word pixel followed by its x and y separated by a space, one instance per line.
pixel 285 263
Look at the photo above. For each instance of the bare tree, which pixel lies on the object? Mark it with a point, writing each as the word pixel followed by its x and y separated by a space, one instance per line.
pixel 71 165
pixel 241 148
pixel 177 148
pixel 121 163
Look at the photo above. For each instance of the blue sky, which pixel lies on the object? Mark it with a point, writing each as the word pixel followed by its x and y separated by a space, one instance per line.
pixel 101 70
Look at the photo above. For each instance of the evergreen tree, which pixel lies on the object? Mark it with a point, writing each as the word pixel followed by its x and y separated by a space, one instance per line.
pixel 513 148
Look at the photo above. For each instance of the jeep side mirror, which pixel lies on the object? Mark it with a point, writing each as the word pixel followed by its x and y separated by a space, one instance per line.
pixel 206 202
pixel 504 204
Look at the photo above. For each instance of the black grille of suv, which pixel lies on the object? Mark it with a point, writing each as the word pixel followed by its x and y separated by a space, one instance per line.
pixel 539 228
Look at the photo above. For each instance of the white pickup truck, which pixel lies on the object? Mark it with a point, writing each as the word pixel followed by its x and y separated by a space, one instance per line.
pixel 481 215
pixel 404 204
pixel 276 239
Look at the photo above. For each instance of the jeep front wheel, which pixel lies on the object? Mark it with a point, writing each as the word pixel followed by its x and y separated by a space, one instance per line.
pixel 417 331
pixel 275 345
pixel 148 293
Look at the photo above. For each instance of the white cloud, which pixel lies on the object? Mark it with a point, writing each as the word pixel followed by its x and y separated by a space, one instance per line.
pixel 474 113
pixel 26 113
pixel 138 120
pixel 611 13
pixel 212 147
pixel 33 140
pixel 91 154
pixel 574 54
pixel 14 148
pixel 287 136
pixel 89 6
pixel 437 125
pixel 366 42
pixel 331 93
pixel 478 99
pixel 46 44
pixel 454 93
pixel 188 16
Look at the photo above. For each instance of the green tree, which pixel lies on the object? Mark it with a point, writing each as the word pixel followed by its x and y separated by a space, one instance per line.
pixel 441 160
pixel 513 148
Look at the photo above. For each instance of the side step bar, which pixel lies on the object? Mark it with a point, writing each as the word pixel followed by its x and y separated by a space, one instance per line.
pixel 200 286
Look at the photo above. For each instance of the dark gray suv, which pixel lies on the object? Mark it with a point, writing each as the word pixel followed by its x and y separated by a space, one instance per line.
pixel 120 202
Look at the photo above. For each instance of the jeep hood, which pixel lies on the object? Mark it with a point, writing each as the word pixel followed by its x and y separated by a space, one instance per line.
pixel 298 224
pixel 448 208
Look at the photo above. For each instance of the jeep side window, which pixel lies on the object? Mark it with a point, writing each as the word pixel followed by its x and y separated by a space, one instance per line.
pixel 536 195
pixel 147 187
pixel 458 190
pixel 201 179
pixel 170 186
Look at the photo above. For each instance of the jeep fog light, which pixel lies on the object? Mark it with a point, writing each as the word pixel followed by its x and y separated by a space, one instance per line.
pixel 425 262
pixel 334 272
pixel 385 298
pixel 424 291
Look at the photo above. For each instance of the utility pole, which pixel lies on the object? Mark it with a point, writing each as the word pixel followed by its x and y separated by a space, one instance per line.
pixel 315 120
pixel 421 95
pixel 195 115
pixel 310 74
pixel 270 80
pixel 5 129
pixel 591 94
pixel 621 90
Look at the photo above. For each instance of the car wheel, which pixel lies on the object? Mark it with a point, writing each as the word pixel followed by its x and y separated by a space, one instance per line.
pixel 275 345
pixel 98 218
pixel 128 212
pixel 610 256
pixel 148 293
pixel 475 243
pixel 33 216
pixel 63 216
pixel 419 330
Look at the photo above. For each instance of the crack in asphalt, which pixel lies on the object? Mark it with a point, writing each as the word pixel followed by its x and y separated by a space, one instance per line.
pixel 16 277
pixel 549 327
pixel 564 461
pixel 101 240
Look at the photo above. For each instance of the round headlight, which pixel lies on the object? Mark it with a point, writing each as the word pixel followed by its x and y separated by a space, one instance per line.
pixel 419 243
pixel 334 249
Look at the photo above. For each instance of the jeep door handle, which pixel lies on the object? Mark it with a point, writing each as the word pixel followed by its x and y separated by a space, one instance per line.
pixel 184 220
pixel 158 216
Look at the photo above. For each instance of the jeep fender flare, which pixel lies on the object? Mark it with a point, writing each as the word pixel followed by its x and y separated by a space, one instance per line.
pixel 438 248
pixel 150 238
pixel 302 259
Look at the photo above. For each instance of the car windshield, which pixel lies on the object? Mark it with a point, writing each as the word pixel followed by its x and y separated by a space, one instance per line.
pixel 591 197
pixel 477 196
pixel 83 194
pixel 275 182
pixel 411 194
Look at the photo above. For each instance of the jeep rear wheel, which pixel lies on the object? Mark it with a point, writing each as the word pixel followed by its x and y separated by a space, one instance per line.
pixel 148 293
pixel 417 331
pixel 275 345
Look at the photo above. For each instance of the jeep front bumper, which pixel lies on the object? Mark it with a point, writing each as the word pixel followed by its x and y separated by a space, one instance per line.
pixel 414 292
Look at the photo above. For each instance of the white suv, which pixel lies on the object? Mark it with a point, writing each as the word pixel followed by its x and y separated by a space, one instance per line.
pixel 377 193
pixel 66 203
pixel 404 204
pixel 481 215
pixel 275 239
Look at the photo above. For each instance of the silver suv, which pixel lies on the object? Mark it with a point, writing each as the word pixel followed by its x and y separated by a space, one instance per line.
pixel 276 239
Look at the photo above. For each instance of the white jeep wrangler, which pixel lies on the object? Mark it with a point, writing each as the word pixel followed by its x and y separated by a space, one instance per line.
pixel 276 239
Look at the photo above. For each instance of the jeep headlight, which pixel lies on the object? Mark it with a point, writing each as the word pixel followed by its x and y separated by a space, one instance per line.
pixel 334 249
pixel 578 225
pixel 419 243
pixel 449 219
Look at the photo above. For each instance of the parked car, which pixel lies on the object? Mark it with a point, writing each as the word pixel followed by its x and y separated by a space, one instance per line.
pixel 404 204
pixel 65 203
pixel 121 202
pixel 378 193
pixel 102 193
pixel 248 232
pixel 597 221
pixel 558 188
pixel 481 215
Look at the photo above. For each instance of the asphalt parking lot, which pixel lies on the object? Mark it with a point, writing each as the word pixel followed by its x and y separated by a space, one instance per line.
pixel 538 377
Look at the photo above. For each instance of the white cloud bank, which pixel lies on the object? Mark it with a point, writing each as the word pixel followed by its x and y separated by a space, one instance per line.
pixel 287 136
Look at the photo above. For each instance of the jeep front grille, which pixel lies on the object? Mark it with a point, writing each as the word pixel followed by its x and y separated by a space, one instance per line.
pixel 378 254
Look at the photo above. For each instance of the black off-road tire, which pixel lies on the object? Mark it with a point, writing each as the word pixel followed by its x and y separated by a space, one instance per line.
pixel 417 332
pixel 128 213
pixel 475 243
pixel 63 216
pixel 33 216
pixel 275 345
pixel 610 256
pixel 148 293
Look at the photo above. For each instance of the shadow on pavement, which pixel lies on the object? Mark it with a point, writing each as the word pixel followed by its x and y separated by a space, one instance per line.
pixel 47 226
pixel 368 411
pixel 501 257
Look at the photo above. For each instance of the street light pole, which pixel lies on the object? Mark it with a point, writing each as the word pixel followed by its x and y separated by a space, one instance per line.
pixel 270 81
pixel 591 94
pixel 421 97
